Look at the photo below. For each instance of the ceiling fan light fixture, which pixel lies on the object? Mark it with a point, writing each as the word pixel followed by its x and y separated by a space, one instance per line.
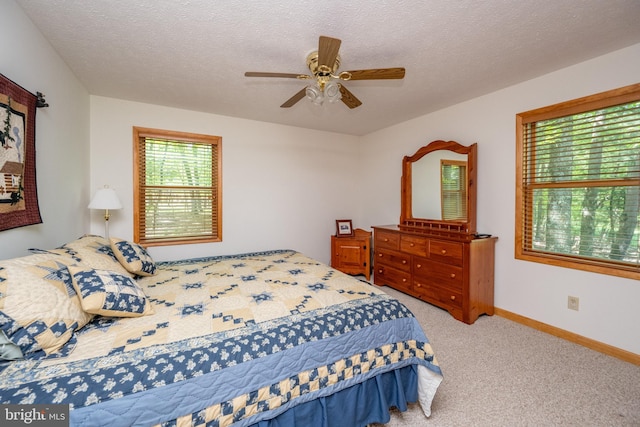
pixel 314 94
pixel 332 92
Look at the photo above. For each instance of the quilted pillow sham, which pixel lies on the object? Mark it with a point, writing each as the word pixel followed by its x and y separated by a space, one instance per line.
pixel 109 293
pixel 133 257
pixel 89 251
pixel 39 308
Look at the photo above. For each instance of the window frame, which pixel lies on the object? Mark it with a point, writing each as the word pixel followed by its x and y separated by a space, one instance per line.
pixel 139 134
pixel 598 101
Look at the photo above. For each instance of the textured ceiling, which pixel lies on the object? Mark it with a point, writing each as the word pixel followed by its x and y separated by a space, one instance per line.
pixel 192 54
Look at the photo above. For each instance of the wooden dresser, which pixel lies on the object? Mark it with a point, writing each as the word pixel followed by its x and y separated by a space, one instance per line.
pixel 352 255
pixel 453 271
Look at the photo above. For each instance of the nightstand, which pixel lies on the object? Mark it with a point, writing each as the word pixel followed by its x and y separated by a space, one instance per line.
pixel 352 255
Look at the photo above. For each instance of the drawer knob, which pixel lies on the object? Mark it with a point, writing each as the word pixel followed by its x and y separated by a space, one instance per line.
pixel 386 240
pixel 412 244
pixel 419 265
pixel 453 275
pixel 444 251
pixel 404 280
pixel 380 271
pixel 380 255
pixel 404 261
pixel 418 285
pixel 453 297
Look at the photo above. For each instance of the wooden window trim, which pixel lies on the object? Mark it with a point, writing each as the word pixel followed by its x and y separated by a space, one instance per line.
pixel 593 102
pixel 142 132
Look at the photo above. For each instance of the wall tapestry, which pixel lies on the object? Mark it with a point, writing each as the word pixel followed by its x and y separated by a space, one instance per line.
pixel 18 193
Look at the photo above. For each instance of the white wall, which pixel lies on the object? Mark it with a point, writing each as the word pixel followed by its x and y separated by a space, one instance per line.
pixel 283 187
pixel 609 306
pixel 62 135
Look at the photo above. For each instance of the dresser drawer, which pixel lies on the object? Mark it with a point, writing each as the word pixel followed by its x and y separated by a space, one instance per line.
pixel 385 275
pixel 393 259
pixel 442 297
pixel 447 252
pixel 415 245
pixel 387 240
pixel 441 274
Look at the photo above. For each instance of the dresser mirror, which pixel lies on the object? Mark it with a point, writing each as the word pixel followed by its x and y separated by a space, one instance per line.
pixel 438 188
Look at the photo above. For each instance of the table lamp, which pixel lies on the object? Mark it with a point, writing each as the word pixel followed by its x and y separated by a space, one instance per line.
pixel 107 199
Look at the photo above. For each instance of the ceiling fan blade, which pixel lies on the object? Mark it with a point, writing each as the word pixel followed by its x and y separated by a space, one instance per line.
pixel 294 99
pixel 259 74
pixel 377 74
pixel 348 98
pixel 328 51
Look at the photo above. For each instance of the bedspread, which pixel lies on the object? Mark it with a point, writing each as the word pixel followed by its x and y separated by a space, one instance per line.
pixel 233 339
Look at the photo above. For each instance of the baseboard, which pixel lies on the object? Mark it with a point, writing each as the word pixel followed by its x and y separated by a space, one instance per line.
pixel 607 349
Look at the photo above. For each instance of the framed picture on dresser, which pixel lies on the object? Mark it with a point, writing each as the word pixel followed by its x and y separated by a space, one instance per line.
pixel 344 228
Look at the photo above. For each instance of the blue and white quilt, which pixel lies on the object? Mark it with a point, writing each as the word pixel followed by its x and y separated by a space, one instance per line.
pixel 232 340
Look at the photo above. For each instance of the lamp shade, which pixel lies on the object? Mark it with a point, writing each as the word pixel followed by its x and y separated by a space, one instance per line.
pixel 105 198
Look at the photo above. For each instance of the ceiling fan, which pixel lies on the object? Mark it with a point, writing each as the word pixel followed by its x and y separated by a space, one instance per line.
pixel 323 65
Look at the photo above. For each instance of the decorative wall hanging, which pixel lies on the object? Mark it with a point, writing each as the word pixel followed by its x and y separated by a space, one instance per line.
pixel 18 193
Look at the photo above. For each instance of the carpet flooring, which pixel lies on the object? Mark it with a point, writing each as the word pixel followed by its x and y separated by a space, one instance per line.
pixel 501 373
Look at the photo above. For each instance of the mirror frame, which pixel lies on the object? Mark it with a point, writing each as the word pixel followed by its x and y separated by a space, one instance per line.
pixel 407 221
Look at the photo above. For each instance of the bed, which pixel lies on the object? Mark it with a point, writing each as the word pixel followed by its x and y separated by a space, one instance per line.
pixel 262 339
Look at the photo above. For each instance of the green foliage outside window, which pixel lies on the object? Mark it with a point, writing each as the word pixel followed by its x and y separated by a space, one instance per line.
pixel 594 220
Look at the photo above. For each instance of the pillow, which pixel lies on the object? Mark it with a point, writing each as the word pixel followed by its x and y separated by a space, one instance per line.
pixel 109 293
pixel 133 257
pixel 39 308
pixel 8 350
pixel 91 252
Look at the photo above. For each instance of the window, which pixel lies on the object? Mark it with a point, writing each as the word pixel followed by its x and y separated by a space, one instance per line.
pixel 177 187
pixel 453 189
pixel 578 183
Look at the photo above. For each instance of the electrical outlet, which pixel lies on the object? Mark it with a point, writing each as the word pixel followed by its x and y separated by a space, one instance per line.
pixel 573 303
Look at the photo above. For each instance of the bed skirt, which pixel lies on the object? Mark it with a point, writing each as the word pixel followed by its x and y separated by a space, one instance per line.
pixel 356 406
